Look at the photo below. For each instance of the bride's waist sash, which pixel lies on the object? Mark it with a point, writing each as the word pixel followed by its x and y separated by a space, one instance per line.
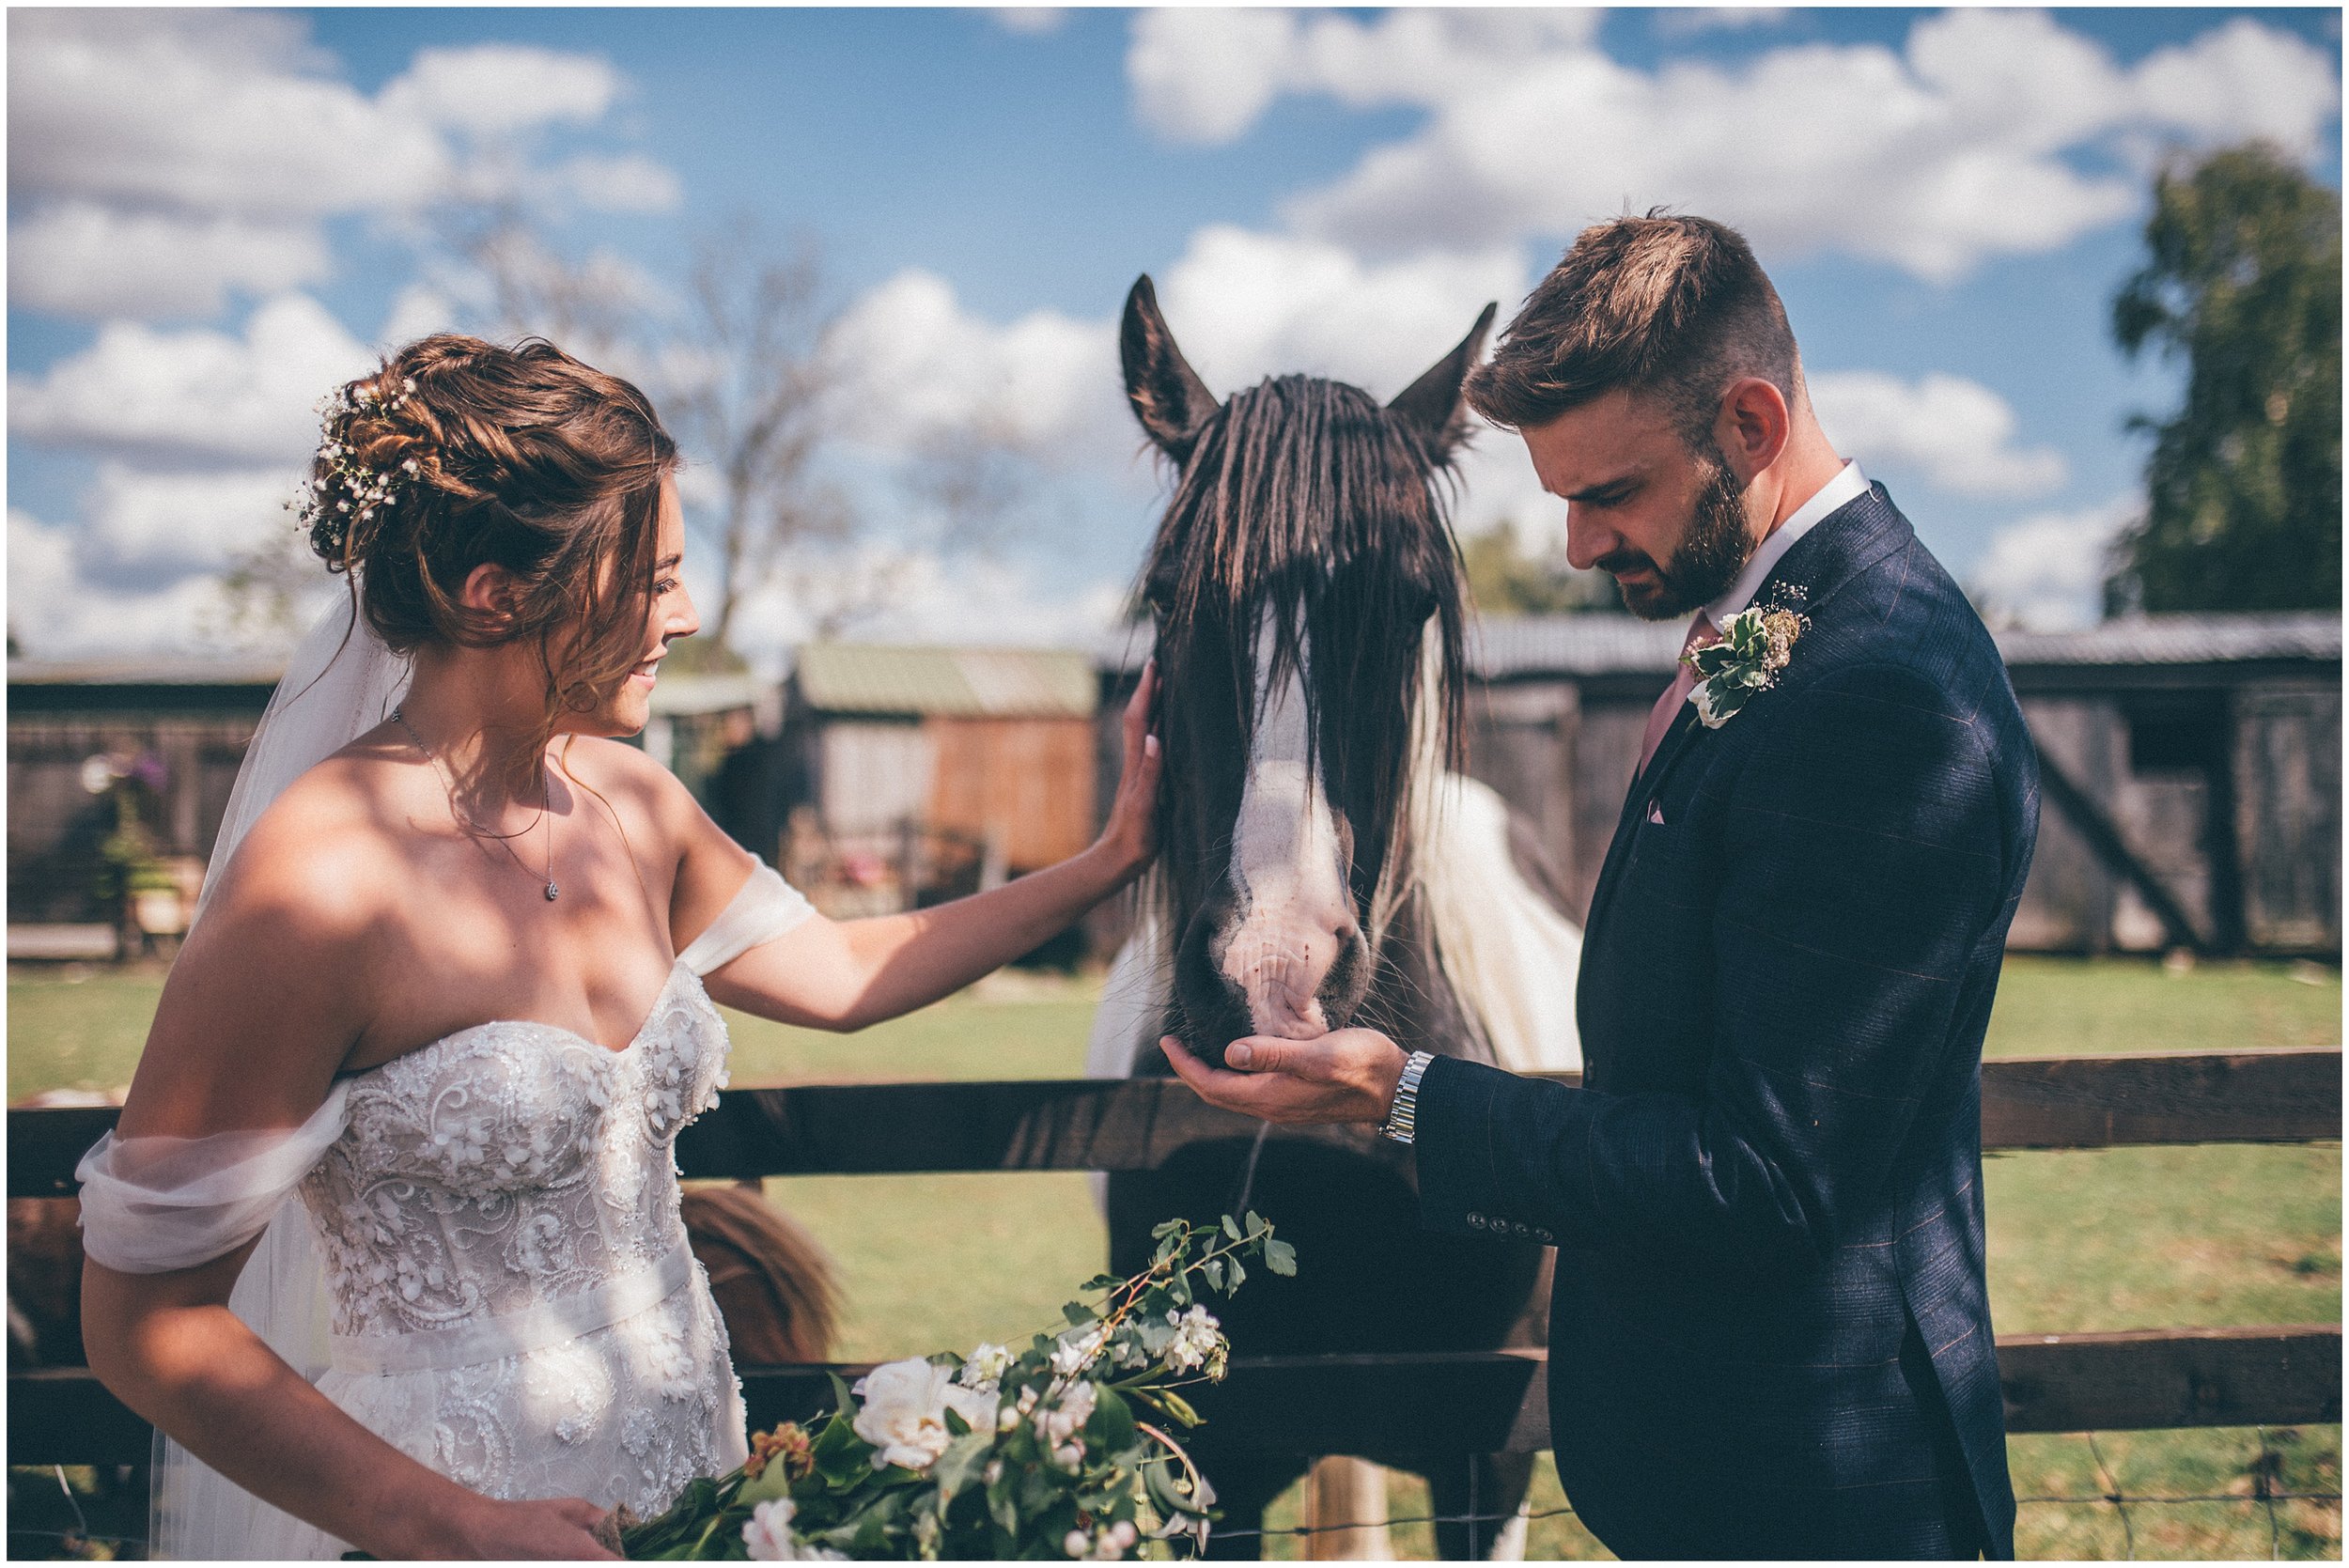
pixel 541 1324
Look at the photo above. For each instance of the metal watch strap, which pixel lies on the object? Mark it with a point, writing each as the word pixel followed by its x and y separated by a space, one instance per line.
pixel 1402 1115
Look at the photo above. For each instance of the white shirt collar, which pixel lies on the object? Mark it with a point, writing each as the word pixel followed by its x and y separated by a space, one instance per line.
pixel 1845 488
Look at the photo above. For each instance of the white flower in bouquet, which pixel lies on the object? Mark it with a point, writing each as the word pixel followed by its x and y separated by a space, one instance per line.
pixel 1072 1355
pixel 904 1414
pixel 767 1536
pixel 1198 1342
pixel 984 1368
pixel 1057 1425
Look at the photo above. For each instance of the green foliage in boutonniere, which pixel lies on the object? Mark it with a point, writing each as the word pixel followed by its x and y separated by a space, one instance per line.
pixel 1754 647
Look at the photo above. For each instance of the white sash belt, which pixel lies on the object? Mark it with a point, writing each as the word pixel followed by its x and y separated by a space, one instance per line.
pixel 533 1327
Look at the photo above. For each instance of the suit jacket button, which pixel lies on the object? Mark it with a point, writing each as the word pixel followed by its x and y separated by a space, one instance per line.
pixel 1544 1236
pixel 1521 1228
pixel 1476 1219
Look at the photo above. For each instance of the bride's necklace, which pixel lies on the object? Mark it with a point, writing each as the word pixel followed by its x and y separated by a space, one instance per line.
pixel 448 786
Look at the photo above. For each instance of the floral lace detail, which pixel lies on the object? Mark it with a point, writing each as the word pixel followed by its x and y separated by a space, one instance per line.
pixel 516 1164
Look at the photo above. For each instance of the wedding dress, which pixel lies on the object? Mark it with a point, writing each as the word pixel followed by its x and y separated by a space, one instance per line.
pixel 494 1219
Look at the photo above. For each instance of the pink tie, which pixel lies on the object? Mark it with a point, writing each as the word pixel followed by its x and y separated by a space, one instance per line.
pixel 1701 633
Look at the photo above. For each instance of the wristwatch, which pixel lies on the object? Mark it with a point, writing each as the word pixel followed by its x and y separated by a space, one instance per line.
pixel 1402 1115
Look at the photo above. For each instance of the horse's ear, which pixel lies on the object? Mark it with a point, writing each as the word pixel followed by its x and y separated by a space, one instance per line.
pixel 1433 402
pixel 1168 396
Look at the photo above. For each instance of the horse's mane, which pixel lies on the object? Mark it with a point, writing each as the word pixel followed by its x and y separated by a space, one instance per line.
pixel 1307 506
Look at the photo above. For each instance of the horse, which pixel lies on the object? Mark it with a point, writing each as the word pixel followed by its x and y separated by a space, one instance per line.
pixel 1325 862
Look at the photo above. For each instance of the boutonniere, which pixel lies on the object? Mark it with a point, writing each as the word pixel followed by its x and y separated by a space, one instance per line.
pixel 1754 646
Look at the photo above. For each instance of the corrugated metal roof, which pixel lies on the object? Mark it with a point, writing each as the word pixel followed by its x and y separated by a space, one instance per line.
pixel 2180 639
pixel 1501 646
pixel 675 696
pixel 999 683
pixel 148 670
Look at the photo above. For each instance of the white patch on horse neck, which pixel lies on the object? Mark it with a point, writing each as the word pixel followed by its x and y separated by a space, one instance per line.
pixel 1294 907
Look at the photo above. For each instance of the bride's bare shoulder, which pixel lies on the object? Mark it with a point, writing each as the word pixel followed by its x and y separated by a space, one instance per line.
pixel 328 851
pixel 629 780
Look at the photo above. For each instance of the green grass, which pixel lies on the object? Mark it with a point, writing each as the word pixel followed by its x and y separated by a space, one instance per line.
pixel 2120 1238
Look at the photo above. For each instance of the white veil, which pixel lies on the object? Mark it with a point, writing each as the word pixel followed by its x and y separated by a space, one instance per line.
pixel 341 682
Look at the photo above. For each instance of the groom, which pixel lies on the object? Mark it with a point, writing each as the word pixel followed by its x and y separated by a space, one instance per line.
pixel 1770 1336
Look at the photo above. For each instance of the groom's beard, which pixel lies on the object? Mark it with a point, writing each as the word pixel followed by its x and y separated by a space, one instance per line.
pixel 1716 550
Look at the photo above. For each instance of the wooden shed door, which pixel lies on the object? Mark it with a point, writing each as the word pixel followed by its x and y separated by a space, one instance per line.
pixel 1028 780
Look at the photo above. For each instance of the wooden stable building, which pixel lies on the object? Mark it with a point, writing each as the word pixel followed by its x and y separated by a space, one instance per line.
pixel 924 772
pixel 2190 767
pixel 162 739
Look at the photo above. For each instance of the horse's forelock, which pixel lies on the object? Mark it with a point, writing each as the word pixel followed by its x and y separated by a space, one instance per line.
pixel 1307 507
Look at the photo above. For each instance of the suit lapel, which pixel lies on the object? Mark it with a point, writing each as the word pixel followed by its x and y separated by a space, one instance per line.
pixel 1844 543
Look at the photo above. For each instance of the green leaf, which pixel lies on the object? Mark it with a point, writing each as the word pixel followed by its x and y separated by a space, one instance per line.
pixel 1213 1269
pixel 842 1458
pixel 964 1460
pixel 1112 1424
pixel 1238 1274
pixel 1078 1315
pixel 843 1401
pixel 1179 1408
pixel 1280 1257
pixel 1231 1228
pixel 1256 1225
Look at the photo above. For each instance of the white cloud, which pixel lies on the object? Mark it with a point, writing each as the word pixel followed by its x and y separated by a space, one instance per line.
pixel 1245 305
pixel 212 144
pixel 630 183
pixel 1689 21
pixel 930 598
pixel 208 396
pixel 1032 19
pixel 1933 158
pixel 921 366
pixel 208 111
pixel 418 310
pixel 80 259
pixel 497 89
pixel 57 612
pixel 1959 433
pixel 2047 571
pixel 146 527
pixel 1205 75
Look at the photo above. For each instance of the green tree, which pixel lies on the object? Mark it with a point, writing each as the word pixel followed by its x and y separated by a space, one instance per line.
pixel 1506 579
pixel 2242 487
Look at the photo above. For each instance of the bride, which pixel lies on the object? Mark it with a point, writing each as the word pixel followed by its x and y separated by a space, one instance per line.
pixel 453 991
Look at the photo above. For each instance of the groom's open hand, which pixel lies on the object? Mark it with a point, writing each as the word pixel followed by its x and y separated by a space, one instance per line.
pixel 1347 1075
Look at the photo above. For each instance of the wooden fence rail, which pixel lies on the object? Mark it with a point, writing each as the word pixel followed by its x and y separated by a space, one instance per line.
pixel 1468 1402
pixel 2077 1102
pixel 1483 1402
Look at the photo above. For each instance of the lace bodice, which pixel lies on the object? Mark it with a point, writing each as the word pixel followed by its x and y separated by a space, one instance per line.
pixel 511 1164
pixel 498 1246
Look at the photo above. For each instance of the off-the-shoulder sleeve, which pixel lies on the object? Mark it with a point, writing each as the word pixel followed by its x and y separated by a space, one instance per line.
pixel 767 907
pixel 153 1204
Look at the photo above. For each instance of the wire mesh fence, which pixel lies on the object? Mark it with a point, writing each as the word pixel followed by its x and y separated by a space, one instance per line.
pixel 2178 1495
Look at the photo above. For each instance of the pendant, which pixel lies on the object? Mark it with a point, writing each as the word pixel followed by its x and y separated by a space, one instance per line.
pixel 553 892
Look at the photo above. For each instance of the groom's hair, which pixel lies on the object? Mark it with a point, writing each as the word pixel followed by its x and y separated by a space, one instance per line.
pixel 1670 307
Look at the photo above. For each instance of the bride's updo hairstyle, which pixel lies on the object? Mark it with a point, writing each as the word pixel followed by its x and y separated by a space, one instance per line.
pixel 459 451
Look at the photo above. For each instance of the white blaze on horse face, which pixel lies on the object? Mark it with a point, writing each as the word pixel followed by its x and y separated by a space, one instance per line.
pixel 1293 907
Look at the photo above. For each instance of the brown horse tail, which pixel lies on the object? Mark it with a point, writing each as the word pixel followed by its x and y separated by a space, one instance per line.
pixel 774 1285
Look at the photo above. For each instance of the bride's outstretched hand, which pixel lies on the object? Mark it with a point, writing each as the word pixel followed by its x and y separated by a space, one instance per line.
pixel 1130 838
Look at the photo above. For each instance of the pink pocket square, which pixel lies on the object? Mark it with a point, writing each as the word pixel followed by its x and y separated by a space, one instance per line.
pixel 1655 814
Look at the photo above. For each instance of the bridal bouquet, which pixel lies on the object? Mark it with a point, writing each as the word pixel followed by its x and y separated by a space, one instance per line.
pixel 1065 1450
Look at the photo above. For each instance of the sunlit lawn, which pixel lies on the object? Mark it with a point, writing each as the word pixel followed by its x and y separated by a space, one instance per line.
pixel 2124 1238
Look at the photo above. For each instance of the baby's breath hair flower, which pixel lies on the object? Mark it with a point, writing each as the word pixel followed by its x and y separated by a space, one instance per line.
pixel 342 491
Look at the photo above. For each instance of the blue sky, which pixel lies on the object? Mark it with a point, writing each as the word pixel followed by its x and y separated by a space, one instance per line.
pixel 205 206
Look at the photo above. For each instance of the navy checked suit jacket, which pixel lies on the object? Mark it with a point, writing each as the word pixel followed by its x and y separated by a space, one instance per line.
pixel 1769 1333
